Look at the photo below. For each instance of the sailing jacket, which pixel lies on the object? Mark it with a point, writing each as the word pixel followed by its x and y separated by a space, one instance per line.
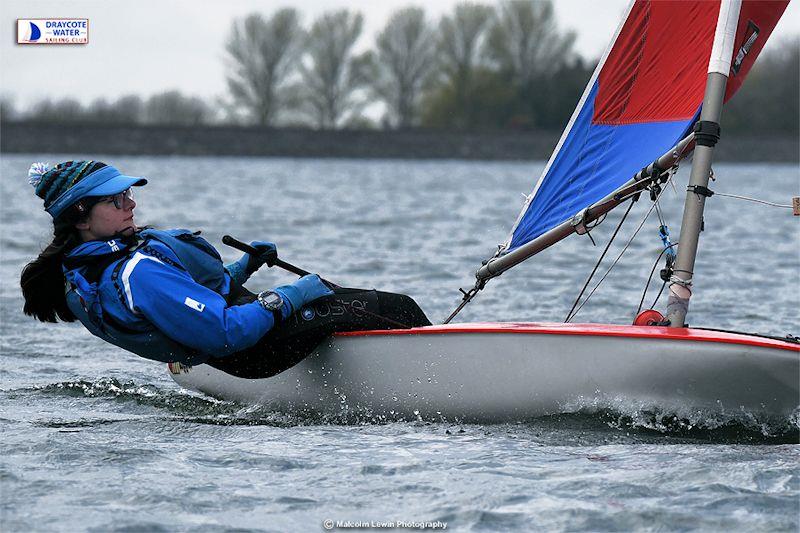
pixel 161 296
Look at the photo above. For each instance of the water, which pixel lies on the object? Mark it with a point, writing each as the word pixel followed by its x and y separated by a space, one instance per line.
pixel 97 439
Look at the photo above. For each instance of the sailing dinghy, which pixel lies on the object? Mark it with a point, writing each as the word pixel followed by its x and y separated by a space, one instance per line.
pixel 655 97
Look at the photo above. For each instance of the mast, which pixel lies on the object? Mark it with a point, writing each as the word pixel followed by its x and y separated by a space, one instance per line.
pixel 707 133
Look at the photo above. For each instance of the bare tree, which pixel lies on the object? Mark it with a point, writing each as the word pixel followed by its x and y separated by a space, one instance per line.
pixel 330 73
pixel 405 56
pixel 172 107
pixel 129 109
pixel 461 39
pixel 63 110
pixel 262 54
pixel 524 40
pixel 8 110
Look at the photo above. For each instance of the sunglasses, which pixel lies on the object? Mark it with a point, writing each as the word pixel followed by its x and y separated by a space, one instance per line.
pixel 119 198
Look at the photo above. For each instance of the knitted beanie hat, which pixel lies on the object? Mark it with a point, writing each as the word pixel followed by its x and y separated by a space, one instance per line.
pixel 52 183
pixel 71 181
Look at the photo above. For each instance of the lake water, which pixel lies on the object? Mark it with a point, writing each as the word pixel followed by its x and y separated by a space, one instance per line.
pixel 97 439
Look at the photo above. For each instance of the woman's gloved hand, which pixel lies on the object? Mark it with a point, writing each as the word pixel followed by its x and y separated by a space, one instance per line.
pixel 304 290
pixel 242 269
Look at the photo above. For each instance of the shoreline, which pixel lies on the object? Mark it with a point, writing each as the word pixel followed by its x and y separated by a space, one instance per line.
pixel 120 139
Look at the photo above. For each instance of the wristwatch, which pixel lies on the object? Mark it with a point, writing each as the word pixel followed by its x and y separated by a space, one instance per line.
pixel 272 302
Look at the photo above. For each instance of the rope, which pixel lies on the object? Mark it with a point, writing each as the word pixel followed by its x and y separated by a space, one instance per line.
pixel 597 265
pixel 650 278
pixel 756 200
pixel 641 224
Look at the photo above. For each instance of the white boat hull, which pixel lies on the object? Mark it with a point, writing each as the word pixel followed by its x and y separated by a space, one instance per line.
pixel 503 372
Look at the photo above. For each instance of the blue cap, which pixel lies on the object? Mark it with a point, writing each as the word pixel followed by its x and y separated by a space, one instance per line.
pixel 105 181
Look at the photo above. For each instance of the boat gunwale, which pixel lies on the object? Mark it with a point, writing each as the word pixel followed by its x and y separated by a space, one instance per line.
pixel 600 330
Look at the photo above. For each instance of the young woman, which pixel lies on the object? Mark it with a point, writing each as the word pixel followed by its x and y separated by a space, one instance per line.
pixel 166 295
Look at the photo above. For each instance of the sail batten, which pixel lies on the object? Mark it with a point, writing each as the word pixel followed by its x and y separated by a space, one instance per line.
pixel 644 96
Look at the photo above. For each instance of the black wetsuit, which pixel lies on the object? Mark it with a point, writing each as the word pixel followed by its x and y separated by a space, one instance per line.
pixel 297 337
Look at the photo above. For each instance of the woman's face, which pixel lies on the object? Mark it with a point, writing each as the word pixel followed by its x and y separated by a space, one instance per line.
pixel 106 219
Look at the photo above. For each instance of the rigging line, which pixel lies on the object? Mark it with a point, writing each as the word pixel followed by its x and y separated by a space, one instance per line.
pixel 663 286
pixel 650 278
pixel 772 204
pixel 624 249
pixel 672 171
pixel 658 213
pixel 597 265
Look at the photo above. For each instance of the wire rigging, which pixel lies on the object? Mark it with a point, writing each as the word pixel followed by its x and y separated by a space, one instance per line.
pixel 597 265
pixel 756 200
pixel 572 314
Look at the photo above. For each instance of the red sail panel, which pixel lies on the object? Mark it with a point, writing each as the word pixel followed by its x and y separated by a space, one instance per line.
pixel 643 98
pixel 760 14
pixel 656 71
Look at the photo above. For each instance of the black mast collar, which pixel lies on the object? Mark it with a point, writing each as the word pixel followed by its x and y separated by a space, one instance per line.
pixel 706 133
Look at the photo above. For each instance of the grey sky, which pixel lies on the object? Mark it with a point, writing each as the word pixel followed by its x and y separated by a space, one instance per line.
pixel 150 46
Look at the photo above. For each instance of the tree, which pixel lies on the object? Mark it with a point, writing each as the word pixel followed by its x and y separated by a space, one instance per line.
pixel 129 109
pixel 769 99
pixel 261 55
pixel 405 56
pixel 460 45
pixel 8 110
pixel 172 107
pixel 524 40
pixel 64 110
pixel 331 75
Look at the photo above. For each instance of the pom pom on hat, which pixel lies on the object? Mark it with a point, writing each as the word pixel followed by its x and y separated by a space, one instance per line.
pixel 36 172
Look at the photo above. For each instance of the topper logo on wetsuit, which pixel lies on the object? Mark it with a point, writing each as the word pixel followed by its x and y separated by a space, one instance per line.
pixel 335 308
pixel 194 304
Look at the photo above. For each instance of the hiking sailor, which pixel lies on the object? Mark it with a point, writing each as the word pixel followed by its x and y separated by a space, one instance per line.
pixel 162 294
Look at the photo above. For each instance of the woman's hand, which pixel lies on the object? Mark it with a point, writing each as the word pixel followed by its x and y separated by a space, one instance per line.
pixel 269 252
pixel 304 290
pixel 242 269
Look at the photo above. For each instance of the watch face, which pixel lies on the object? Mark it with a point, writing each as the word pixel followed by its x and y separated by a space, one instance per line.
pixel 272 300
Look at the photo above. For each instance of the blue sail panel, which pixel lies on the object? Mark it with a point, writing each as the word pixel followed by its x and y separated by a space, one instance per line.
pixel 643 98
pixel 593 161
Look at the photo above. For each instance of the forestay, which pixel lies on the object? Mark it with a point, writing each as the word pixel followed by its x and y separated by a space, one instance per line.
pixel 644 96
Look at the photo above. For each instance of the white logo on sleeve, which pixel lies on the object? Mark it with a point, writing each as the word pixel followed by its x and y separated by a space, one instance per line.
pixel 194 304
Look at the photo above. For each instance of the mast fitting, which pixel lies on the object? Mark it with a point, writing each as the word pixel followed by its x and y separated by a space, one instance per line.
pixel 706 133
pixel 700 190
pixel 579 222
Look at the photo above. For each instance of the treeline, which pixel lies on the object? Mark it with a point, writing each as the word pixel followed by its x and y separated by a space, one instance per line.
pixel 170 107
pixel 479 67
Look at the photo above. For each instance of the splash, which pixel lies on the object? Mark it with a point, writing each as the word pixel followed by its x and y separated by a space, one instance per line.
pixel 617 415
pixel 719 425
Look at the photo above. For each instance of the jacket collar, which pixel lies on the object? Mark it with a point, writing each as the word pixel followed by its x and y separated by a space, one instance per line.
pixel 92 251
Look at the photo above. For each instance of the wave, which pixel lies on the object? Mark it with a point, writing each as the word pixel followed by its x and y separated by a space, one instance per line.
pixel 180 405
pixel 678 420
pixel 602 417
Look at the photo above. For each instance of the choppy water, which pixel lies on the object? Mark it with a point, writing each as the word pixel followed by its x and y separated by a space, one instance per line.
pixel 100 440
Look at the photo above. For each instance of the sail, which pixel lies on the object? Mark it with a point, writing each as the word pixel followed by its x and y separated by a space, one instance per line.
pixel 644 96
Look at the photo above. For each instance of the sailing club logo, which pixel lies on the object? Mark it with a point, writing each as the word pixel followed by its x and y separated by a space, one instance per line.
pixel 52 31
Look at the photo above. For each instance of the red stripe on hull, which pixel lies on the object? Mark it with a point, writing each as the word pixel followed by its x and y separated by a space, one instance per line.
pixel 601 330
